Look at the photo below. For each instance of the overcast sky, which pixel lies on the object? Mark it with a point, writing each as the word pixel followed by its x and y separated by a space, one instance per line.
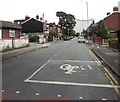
pixel 17 9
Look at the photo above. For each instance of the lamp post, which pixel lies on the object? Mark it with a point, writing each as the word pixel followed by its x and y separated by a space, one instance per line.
pixel 87 14
pixel 87 17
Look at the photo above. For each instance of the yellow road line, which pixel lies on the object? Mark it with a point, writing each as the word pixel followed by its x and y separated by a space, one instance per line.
pixel 108 73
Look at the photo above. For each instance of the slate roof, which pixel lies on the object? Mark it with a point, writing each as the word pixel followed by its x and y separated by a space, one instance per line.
pixel 9 25
pixel 32 26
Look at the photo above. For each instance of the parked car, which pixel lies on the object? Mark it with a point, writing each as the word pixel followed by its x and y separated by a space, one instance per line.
pixel 66 38
pixel 81 40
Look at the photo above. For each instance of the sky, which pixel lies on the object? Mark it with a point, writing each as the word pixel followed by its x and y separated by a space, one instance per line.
pixel 11 10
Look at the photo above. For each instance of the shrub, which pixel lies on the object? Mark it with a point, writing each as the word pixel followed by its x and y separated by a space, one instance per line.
pixel 113 40
pixel 34 38
pixel 53 33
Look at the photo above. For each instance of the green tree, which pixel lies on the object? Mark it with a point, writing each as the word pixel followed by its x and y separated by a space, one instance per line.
pixel 53 33
pixel 102 30
pixel 118 35
pixel 66 21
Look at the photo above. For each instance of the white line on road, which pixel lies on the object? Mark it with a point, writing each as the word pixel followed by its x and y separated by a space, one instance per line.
pixel 79 61
pixel 17 92
pixel 82 67
pixel 57 53
pixel 74 84
pixel 2 90
pixel 80 97
pixel 89 67
pixel 59 95
pixel 37 94
pixel 39 69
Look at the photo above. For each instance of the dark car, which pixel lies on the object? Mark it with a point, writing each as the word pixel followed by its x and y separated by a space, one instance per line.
pixel 66 38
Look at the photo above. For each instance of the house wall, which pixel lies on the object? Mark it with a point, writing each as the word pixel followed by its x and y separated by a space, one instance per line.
pixel 5 34
pixel 0 34
pixel 112 21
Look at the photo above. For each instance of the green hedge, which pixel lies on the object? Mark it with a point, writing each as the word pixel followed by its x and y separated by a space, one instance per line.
pixel 34 38
pixel 114 40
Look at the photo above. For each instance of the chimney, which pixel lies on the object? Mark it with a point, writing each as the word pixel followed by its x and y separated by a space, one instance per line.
pixel 108 13
pixel 37 17
pixel 27 17
pixel 41 19
pixel 115 9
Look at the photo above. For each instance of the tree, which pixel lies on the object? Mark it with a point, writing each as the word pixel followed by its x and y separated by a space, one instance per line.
pixel 53 33
pixel 66 21
pixel 118 35
pixel 102 30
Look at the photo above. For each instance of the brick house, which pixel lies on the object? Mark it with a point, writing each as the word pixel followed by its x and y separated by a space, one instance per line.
pixel 9 30
pixel 112 21
pixel 20 21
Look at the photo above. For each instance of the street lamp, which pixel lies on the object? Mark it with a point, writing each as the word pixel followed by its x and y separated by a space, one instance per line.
pixel 87 13
pixel 87 19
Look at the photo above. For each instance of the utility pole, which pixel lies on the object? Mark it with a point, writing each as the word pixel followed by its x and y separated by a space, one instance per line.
pixel 87 14
pixel 43 28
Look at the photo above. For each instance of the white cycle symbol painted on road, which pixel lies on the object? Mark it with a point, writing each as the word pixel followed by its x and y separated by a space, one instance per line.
pixel 69 69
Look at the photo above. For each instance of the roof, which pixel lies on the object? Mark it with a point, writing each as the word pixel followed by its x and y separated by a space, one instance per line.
pixel 9 25
pixel 113 20
pixel 32 26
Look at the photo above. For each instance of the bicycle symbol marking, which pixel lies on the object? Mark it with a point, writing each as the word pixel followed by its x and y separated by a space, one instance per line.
pixel 69 69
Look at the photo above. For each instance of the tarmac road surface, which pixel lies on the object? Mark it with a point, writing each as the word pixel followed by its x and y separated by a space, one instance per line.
pixel 64 71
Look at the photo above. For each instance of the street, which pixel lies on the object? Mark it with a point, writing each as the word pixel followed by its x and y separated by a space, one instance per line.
pixel 66 71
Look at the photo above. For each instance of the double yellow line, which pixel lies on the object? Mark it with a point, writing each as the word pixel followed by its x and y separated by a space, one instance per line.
pixel 107 73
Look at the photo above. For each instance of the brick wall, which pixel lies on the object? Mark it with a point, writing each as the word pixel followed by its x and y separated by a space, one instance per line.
pixel 5 34
pixel 112 21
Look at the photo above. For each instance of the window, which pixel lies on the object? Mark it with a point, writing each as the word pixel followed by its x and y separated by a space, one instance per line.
pixel 11 33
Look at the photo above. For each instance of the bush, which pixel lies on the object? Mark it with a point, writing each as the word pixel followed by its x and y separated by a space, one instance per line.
pixel 113 40
pixel 34 38
pixel 53 33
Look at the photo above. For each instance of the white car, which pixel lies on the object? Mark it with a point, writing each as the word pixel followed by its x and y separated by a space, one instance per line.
pixel 81 40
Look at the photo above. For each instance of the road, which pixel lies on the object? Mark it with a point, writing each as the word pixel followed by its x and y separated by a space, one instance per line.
pixel 66 71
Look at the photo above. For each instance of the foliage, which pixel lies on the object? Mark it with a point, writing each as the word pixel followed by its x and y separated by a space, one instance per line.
pixel 53 33
pixel 34 38
pixel 113 40
pixel 100 29
pixel 66 21
pixel 77 34
pixel 118 35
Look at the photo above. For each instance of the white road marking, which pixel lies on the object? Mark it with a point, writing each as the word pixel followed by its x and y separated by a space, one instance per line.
pixel 82 67
pixel 74 84
pixel 89 67
pixel 59 95
pixel 39 69
pixel 57 53
pixel 2 90
pixel 80 97
pixel 17 92
pixel 79 61
pixel 104 99
pixel 69 68
pixel 37 94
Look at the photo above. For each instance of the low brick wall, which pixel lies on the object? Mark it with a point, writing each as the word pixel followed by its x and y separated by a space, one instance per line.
pixel 115 45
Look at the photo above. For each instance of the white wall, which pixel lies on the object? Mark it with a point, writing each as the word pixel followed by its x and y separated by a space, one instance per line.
pixel 119 6
pixel 0 34
pixel 9 43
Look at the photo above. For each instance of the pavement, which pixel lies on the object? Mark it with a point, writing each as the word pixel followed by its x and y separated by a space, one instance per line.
pixel 33 46
pixel 108 55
